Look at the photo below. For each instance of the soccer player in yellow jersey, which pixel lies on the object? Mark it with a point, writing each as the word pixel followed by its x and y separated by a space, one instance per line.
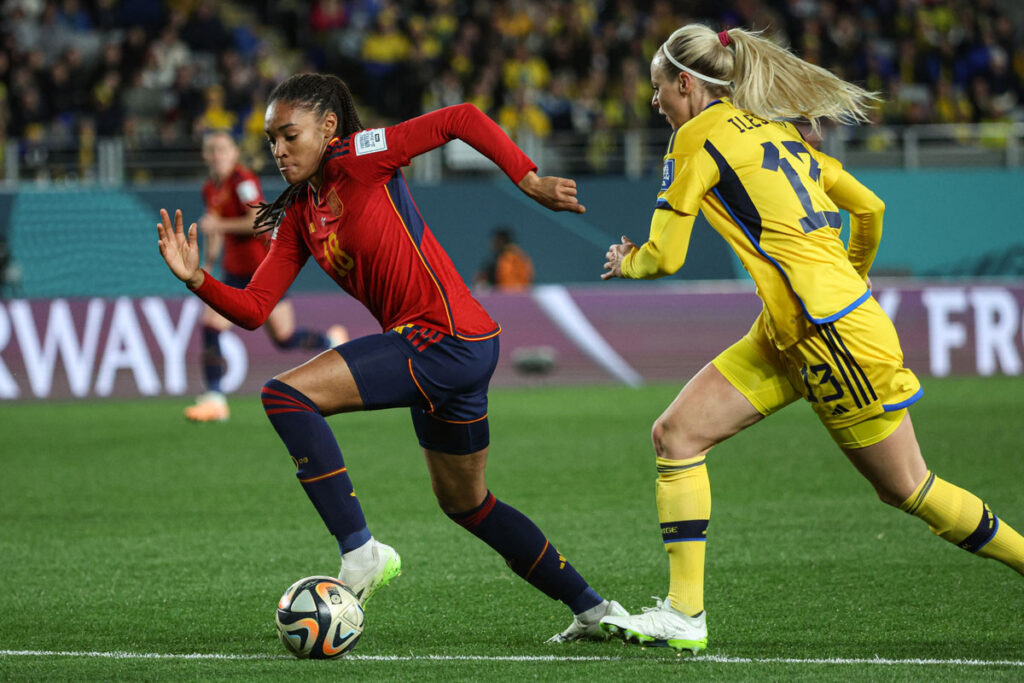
pixel 820 335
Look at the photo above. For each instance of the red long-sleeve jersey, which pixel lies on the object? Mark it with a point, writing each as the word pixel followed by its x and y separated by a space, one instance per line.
pixel 365 231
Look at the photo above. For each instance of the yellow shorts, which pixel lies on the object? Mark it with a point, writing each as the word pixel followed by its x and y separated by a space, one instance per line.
pixel 850 371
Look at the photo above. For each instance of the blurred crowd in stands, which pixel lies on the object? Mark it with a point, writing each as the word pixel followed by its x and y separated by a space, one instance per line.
pixel 157 73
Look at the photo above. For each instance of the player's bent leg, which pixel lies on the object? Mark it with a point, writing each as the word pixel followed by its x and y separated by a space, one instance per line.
pixel 707 411
pixel 739 388
pixel 894 465
pixel 212 404
pixel 327 381
pixel 286 336
pixel 459 483
pixel 280 324
pixel 895 468
pixel 296 403
pixel 458 480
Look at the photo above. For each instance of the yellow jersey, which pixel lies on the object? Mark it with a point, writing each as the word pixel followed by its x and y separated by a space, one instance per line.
pixel 774 200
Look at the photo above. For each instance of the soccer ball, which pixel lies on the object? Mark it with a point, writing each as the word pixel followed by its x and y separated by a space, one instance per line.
pixel 319 617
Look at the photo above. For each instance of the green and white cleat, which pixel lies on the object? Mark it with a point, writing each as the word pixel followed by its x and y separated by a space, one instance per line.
pixel 661 626
pixel 587 626
pixel 365 582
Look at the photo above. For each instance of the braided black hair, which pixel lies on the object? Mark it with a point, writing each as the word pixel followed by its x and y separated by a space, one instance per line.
pixel 319 93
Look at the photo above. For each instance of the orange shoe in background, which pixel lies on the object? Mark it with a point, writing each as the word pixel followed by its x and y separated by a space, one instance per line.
pixel 210 407
pixel 337 335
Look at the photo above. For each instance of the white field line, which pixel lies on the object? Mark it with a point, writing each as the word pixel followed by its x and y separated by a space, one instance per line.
pixel 717 659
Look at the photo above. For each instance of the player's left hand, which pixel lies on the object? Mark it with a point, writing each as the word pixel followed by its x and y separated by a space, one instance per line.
pixel 557 194
pixel 613 258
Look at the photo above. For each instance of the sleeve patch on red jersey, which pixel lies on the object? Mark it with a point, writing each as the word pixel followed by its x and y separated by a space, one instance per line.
pixel 369 141
pixel 247 191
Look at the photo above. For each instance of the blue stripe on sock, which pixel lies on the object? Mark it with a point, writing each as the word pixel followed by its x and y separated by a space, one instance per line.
pixel 688 530
pixel 985 531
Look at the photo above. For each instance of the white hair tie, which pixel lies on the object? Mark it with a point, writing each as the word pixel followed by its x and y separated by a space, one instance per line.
pixel 683 67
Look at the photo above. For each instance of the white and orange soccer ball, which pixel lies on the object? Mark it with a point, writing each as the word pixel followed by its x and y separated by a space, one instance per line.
pixel 319 617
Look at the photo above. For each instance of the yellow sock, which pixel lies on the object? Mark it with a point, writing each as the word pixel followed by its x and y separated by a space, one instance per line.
pixel 684 507
pixel 964 520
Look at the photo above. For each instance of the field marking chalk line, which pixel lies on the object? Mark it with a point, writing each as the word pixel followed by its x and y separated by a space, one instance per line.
pixel 717 659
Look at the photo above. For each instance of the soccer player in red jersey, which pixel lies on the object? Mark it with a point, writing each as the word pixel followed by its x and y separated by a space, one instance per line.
pixel 230 193
pixel 348 206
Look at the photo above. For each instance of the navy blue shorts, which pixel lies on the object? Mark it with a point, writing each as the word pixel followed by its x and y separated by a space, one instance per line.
pixel 441 379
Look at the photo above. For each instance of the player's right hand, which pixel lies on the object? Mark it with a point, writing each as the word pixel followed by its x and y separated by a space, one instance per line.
pixel 180 250
pixel 557 194
pixel 614 256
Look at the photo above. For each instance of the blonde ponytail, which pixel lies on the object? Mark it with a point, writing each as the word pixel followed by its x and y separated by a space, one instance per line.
pixel 766 80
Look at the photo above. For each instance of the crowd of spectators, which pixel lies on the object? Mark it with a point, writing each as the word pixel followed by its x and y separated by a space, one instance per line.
pixel 159 73
pixel 152 73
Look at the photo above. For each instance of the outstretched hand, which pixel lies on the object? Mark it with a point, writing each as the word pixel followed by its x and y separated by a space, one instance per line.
pixel 557 194
pixel 180 250
pixel 613 258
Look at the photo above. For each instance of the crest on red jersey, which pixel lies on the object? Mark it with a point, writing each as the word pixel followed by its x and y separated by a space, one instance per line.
pixel 334 202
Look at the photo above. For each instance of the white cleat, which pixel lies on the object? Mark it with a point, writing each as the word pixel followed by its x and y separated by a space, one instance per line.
pixel 588 624
pixel 660 626
pixel 365 582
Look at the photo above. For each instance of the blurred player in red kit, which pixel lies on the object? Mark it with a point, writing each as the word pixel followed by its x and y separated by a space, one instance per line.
pixel 230 193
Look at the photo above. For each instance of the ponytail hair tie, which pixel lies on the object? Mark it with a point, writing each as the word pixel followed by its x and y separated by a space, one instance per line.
pixel 723 38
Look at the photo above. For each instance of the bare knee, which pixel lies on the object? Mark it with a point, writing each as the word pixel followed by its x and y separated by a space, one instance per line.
pixel 674 441
pixel 897 489
pixel 890 497
pixel 457 480
pixel 894 466
pixel 453 502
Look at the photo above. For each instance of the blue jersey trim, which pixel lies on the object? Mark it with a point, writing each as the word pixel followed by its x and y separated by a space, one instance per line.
pixel 662 203
pixel 415 226
pixel 731 182
pixel 889 407
pixel 399 192
pixel 778 266
pixel 836 316
pixel 741 204
pixel 682 540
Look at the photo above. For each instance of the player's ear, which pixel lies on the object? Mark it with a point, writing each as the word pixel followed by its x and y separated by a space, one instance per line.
pixel 329 125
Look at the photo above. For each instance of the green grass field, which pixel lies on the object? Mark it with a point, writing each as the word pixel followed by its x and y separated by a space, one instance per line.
pixel 131 538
